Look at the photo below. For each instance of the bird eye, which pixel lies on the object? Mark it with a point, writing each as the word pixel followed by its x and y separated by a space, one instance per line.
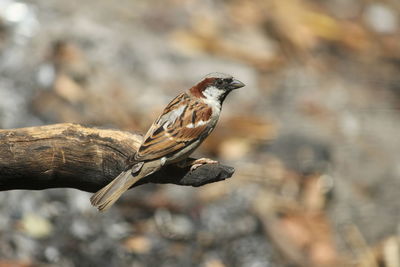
pixel 219 82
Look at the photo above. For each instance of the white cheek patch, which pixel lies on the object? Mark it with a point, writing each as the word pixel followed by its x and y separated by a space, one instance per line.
pixel 213 93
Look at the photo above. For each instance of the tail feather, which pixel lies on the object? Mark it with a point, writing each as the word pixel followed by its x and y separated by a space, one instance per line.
pixel 106 196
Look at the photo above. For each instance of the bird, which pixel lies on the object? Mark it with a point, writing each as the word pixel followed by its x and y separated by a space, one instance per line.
pixel 183 125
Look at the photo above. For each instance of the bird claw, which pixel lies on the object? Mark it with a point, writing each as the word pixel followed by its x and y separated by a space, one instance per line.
pixel 198 162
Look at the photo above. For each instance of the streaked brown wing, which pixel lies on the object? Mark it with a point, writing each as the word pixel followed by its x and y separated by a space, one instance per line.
pixel 168 133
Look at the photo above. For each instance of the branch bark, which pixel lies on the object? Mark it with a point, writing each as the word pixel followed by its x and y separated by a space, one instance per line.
pixel 71 155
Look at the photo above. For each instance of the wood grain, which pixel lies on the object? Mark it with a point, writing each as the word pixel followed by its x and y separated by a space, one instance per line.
pixel 85 158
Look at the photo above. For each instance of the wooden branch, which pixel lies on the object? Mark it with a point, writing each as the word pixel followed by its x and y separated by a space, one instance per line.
pixel 70 155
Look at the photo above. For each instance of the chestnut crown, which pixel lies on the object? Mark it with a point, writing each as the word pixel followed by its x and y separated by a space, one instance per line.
pixel 216 85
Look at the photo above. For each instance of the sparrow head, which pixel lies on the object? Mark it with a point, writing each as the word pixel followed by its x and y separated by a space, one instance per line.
pixel 216 86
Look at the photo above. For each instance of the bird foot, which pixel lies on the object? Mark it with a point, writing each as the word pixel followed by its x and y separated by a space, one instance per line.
pixel 198 162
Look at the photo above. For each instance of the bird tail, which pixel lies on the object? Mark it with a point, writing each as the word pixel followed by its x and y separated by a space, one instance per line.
pixel 105 197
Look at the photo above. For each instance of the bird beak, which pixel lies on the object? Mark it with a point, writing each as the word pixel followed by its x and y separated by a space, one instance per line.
pixel 235 84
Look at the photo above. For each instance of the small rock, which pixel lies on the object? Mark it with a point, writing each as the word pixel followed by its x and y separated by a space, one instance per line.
pixel 171 226
pixel 227 219
pixel 36 226
pixel 118 230
pixel 81 229
pixel 52 254
pixel 381 18
pixel 78 200
pixel 250 251
pixel 46 75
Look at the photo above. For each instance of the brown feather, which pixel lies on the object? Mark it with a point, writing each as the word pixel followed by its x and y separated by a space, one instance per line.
pixel 159 142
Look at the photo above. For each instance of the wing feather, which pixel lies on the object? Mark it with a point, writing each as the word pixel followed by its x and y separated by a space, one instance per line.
pixel 169 133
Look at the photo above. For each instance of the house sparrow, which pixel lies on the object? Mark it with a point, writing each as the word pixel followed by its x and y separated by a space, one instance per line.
pixel 187 120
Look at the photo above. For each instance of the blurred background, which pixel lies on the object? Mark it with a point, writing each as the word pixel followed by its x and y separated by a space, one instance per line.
pixel 314 136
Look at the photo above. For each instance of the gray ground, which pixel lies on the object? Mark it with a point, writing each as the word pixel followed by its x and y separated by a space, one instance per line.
pixel 319 104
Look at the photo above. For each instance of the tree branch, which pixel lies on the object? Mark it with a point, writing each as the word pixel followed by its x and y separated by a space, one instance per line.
pixel 70 155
